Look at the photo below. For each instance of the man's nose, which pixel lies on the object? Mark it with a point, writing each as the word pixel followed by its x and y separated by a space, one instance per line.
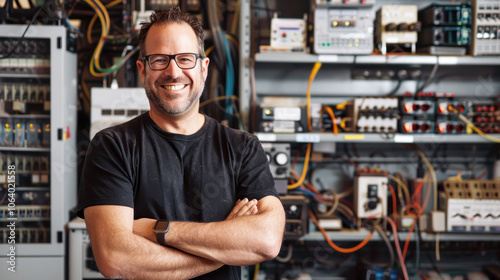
pixel 172 68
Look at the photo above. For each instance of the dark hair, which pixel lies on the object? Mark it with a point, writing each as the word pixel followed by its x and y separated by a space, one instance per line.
pixel 173 15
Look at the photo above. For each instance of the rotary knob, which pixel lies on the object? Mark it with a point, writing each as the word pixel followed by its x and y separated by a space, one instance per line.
pixel 281 159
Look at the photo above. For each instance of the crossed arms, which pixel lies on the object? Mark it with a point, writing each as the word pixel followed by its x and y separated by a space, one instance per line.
pixel 124 248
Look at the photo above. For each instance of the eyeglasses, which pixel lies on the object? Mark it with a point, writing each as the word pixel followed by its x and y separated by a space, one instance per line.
pixel 158 62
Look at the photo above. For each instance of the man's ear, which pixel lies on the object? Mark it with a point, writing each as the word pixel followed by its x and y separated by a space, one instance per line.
pixel 204 67
pixel 141 69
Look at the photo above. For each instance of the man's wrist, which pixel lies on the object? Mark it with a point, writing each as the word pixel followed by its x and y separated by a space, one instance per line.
pixel 161 229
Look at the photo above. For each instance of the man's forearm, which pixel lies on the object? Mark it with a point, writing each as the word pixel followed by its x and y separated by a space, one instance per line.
pixel 122 253
pixel 241 241
pixel 142 259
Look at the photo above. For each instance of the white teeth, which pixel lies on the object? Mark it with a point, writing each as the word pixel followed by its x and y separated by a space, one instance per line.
pixel 173 87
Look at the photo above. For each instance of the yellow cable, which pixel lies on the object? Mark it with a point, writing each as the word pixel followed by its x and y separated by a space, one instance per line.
pixel 209 50
pixel 235 17
pixel 256 272
pixel 103 39
pixel 471 125
pixel 403 186
pixel 433 176
pixel 92 21
pixel 342 105
pixel 477 130
pixel 89 28
pixel 304 169
pixel 105 22
pixel 438 257
pixel 217 99
pixel 315 70
pixel 236 43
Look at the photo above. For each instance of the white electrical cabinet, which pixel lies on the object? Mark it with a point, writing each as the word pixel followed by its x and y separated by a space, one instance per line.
pixel 38 154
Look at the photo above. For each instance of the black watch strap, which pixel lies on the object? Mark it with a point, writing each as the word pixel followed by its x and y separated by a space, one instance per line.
pixel 161 229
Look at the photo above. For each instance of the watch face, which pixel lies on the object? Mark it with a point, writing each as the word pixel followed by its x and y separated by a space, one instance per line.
pixel 161 225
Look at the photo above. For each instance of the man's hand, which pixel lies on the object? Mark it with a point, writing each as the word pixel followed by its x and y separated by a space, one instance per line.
pixel 144 226
pixel 243 208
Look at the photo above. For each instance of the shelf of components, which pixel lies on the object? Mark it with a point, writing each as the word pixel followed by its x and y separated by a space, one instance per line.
pixel 373 138
pixel 420 59
pixel 359 235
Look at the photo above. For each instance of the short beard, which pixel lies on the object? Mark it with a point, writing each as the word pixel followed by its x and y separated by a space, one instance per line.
pixel 162 104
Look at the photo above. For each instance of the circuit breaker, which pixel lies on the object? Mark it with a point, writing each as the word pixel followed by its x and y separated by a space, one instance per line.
pixel 370 196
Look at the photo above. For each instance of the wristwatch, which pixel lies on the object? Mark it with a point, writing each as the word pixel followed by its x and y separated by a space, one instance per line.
pixel 161 229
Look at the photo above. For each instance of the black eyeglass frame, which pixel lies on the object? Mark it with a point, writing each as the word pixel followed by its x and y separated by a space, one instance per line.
pixel 170 57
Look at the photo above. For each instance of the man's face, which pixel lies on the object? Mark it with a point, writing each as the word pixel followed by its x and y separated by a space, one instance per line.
pixel 173 91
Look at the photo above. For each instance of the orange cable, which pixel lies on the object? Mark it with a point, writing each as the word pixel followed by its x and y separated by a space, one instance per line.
pixel 304 169
pixel 394 204
pixel 398 248
pixel 332 115
pixel 335 247
pixel 418 189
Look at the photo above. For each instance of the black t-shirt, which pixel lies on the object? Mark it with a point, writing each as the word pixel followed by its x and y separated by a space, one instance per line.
pixel 162 175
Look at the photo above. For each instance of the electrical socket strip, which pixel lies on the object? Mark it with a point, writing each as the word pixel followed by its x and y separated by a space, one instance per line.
pixel 376 114
pixel 471 189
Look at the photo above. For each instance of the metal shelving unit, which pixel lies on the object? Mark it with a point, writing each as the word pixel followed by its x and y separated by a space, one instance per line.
pixel 372 138
pixel 355 235
pixel 39 123
pixel 376 59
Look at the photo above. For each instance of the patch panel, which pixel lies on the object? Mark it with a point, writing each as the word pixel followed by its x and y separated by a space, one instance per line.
pixel 486 116
pixel 417 126
pixel 418 107
pixel 449 106
pixel 445 126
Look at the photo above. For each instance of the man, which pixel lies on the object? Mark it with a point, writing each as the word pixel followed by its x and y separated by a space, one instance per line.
pixel 172 194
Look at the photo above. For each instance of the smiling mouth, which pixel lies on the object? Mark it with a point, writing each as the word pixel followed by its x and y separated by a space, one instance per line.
pixel 173 87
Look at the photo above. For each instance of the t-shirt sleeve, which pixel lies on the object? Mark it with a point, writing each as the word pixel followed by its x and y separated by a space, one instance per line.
pixel 255 179
pixel 106 177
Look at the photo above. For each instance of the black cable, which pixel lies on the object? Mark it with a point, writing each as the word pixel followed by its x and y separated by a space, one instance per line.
pixel 417 247
pixel 396 88
pixel 429 79
pixel 26 30
pixel 433 262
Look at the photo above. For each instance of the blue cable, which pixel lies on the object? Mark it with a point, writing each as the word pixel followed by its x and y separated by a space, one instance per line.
pixel 229 80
